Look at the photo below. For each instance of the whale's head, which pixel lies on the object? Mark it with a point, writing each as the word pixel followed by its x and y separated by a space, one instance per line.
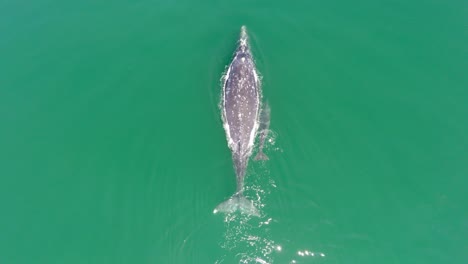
pixel 243 33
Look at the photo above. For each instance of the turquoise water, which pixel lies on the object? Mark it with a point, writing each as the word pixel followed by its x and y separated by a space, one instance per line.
pixel 112 148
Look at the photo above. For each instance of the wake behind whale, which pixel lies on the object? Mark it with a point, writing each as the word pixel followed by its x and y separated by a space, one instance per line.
pixel 240 111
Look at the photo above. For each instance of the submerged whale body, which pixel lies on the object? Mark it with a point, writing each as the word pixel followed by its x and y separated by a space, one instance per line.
pixel 240 109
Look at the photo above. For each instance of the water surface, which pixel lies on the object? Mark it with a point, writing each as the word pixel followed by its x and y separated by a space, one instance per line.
pixel 112 148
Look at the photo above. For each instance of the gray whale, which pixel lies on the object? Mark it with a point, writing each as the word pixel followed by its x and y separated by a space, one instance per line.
pixel 240 107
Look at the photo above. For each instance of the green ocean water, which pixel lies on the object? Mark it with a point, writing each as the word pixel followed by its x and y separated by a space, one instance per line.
pixel 112 148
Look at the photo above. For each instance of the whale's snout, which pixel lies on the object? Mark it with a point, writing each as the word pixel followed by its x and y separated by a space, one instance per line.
pixel 243 31
pixel 243 36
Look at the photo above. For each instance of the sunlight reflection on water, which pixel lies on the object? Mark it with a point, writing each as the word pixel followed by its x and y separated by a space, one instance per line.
pixel 248 239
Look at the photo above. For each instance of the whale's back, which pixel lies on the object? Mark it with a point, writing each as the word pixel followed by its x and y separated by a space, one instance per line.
pixel 241 103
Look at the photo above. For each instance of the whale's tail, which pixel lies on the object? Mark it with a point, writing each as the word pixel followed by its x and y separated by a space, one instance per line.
pixel 237 202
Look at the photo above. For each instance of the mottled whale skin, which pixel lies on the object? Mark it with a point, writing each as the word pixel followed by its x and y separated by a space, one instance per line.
pixel 240 109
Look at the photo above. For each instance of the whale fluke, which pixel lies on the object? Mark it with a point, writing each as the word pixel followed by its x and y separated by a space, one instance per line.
pixel 237 202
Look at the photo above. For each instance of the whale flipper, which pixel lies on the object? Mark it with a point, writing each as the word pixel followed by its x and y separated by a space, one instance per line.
pixel 237 203
pixel 264 129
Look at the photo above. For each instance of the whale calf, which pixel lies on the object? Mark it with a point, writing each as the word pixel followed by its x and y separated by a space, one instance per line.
pixel 240 108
